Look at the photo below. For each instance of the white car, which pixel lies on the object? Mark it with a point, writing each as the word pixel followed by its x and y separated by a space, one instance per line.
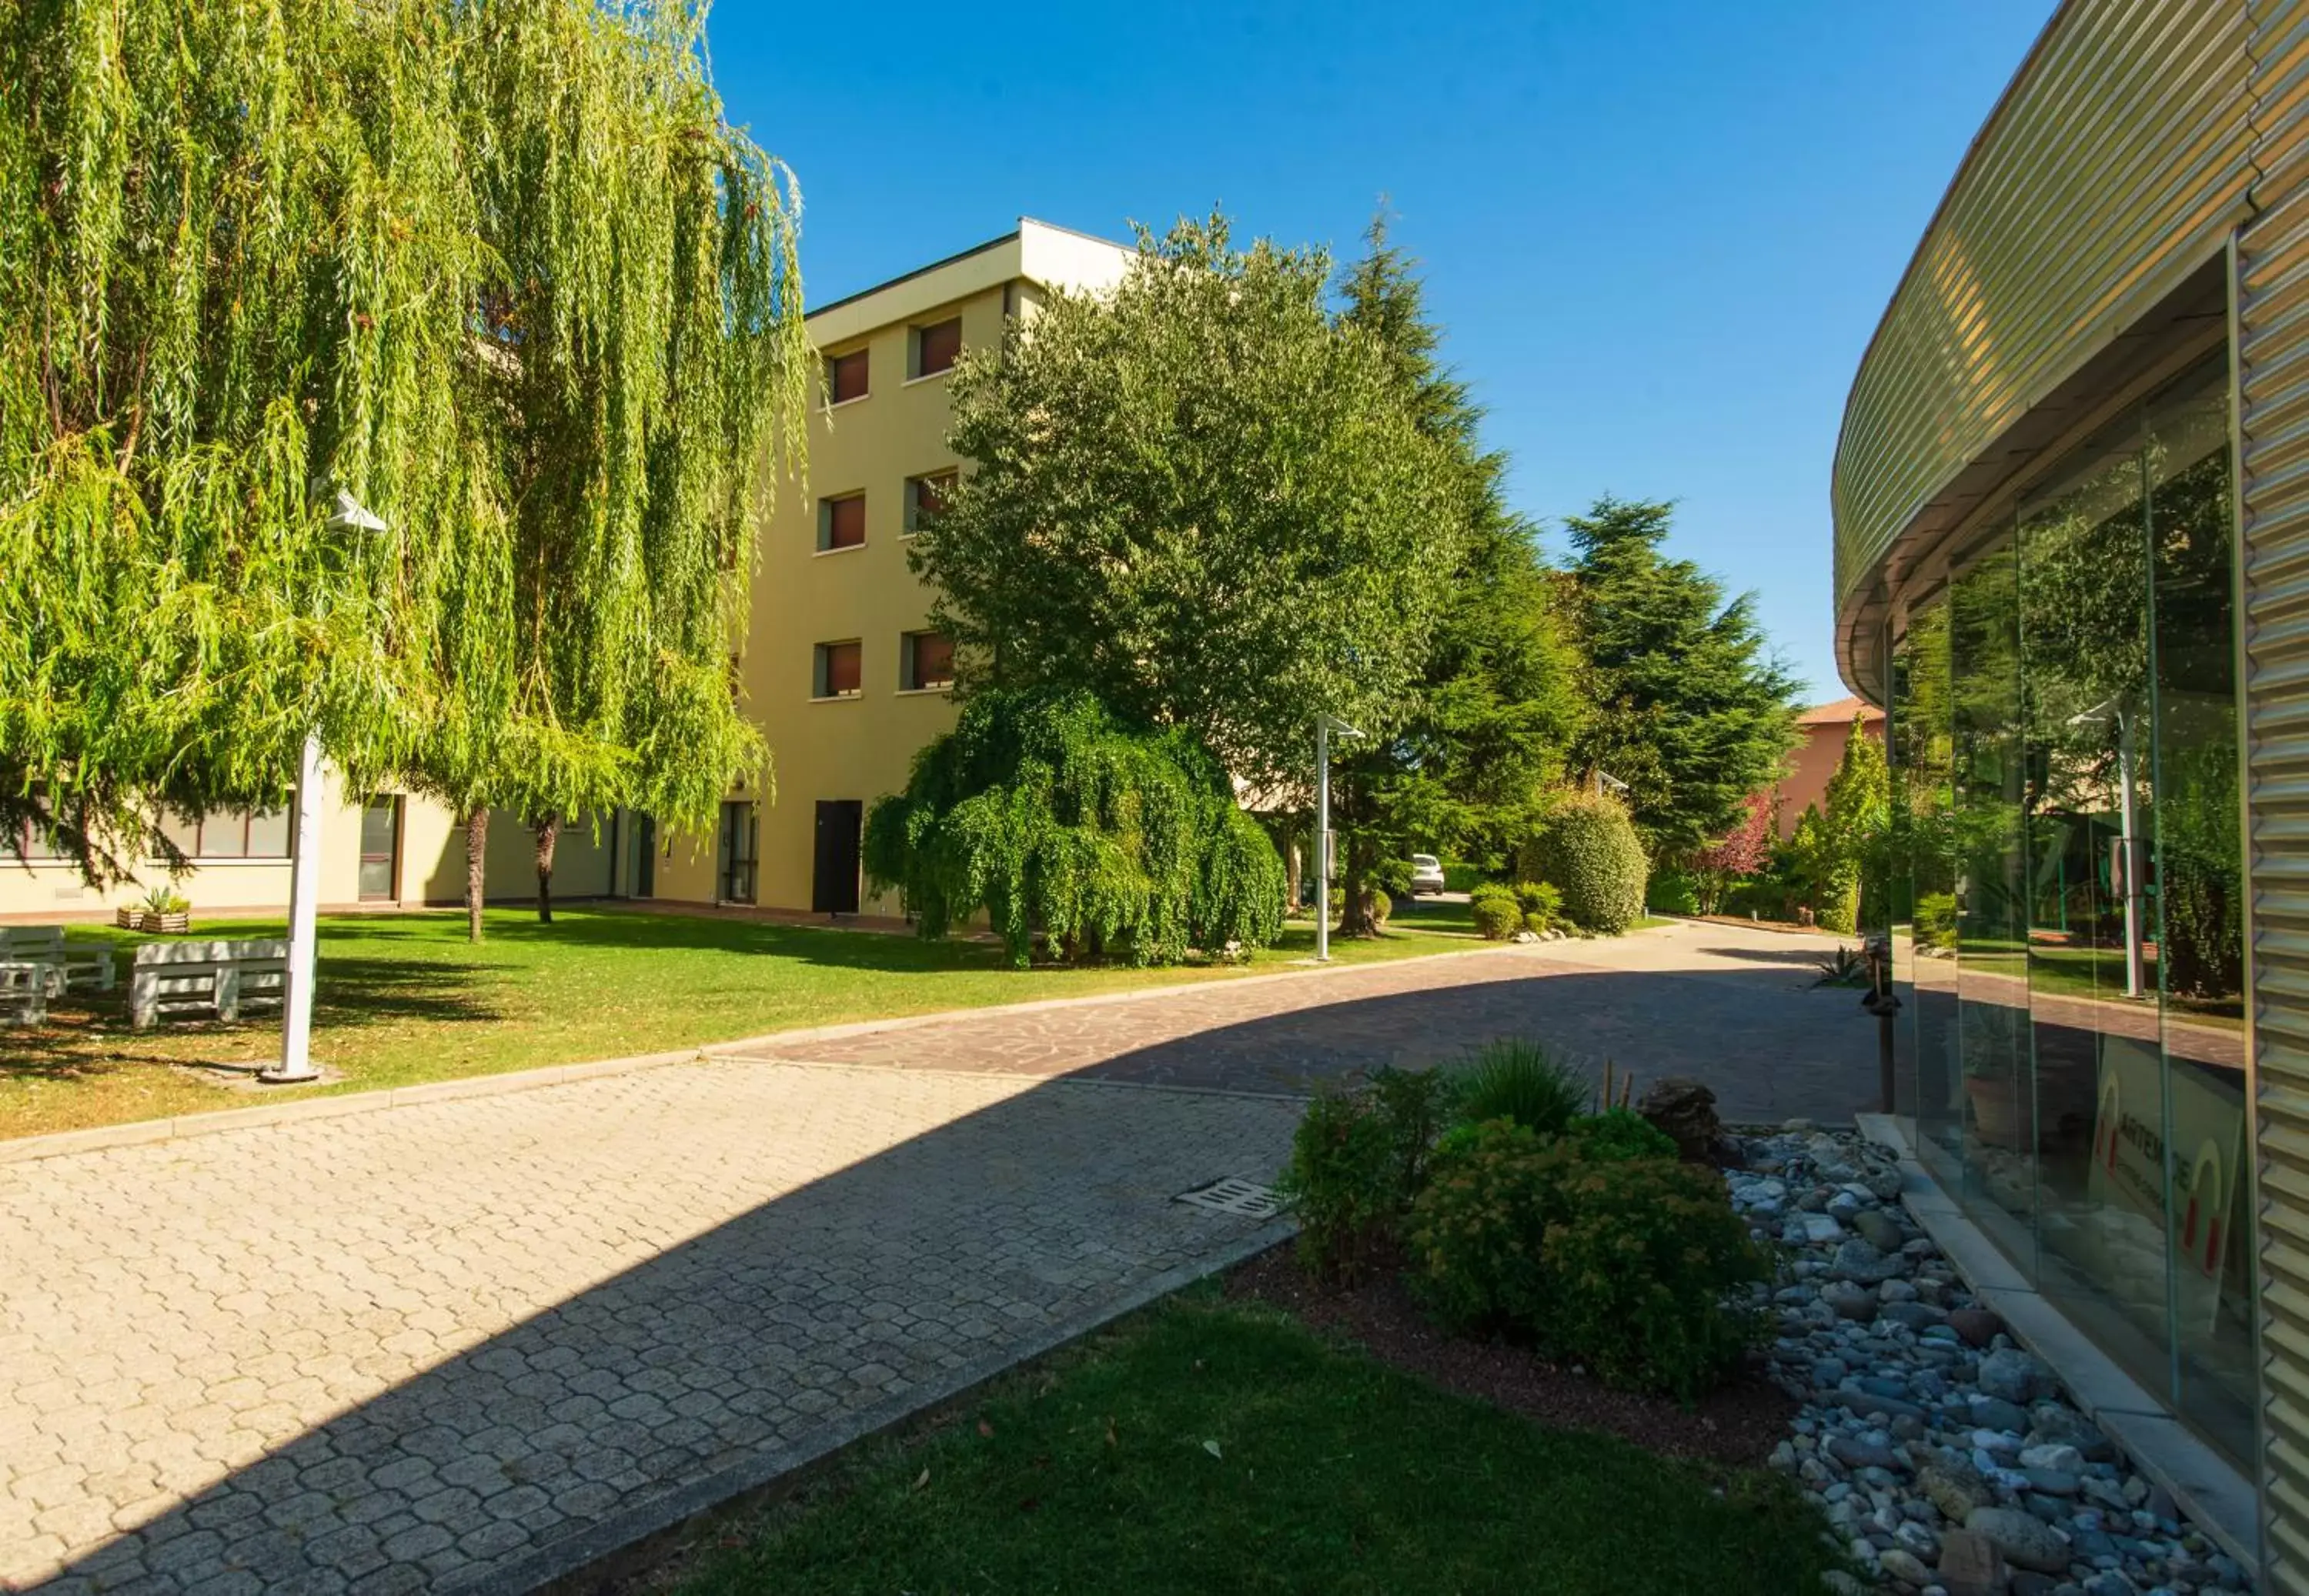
pixel 1426 875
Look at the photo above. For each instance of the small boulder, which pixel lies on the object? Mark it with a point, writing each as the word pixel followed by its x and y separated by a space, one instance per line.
pixel 1954 1487
pixel 1879 1229
pixel 1970 1566
pixel 1856 1303
pixel 2050 1424
pixel 2025 1540
pixel 1977 1325
pixel 1685 1109
pixel 1862 1264
pixel 1902 1564
pixel 2014 1376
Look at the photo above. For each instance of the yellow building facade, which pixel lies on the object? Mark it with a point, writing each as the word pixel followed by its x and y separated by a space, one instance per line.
pixel 840 669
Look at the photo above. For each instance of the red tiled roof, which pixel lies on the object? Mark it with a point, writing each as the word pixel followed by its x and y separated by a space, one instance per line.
pixel 1839 713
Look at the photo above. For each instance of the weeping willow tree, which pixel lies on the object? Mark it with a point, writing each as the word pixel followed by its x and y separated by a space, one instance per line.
pixel 502 272
pixel 1044 811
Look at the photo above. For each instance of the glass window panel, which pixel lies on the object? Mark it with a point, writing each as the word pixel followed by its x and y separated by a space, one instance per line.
pixel 2197 902
pixel 1923 813
pixel 841 522
pixel 845 376
pixel 224 834
pixel 182 830
pixel 937 346
pixel 268 834
pixel 1991 885
pixel 2099 1081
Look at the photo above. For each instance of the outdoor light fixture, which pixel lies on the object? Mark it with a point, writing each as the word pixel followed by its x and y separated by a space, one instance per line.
pixel 347 514
pixel 1325 725
pixel 1605 780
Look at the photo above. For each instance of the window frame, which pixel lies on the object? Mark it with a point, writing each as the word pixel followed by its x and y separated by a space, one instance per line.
pixel 825 518
pixel 246 819
pixel 910 678
pixel 911 516
pixel 916 371
pixel 832 363
pixel 821 680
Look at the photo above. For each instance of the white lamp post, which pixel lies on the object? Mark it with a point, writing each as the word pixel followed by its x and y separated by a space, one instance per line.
pixel 347 514
pixel 2128 861
pixel 1324 726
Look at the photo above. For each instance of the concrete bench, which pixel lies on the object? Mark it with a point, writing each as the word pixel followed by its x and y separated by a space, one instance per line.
pixel 203 979
pixel 90 967
pixel 24 987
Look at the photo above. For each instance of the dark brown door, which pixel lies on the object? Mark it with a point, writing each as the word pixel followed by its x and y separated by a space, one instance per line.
pixel 833 889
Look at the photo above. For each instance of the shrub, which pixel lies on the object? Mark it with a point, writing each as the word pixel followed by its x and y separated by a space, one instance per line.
pixel 1518 1080
pixel 1621 1134
pixel 1477 1233
pixel 1543 901
pixel 1382 905
pixel 1935 920
pixel 1460 876
pixel 1588 848
pixel 1625 1265
pixel 1343 1185
pixel 1675 892
pixel 1497 917
pixel 1641 1270
pixel 1357 1159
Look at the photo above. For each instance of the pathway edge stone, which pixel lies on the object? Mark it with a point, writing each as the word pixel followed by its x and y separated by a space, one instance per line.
pixel 607 1537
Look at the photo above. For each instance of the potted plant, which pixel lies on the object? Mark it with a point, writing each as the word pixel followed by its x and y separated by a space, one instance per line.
pixel 164 911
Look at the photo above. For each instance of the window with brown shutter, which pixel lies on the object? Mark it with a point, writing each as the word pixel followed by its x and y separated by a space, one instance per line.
pixel 841 522
pixel 837 671
pixel 927 661
pixel 926 496
pixel 845 377
pixel 937 346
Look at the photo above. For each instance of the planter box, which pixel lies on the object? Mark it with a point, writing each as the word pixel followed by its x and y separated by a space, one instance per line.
pixel 174 924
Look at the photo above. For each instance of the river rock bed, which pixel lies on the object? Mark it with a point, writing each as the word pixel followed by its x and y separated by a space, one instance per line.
pixel 1948 1459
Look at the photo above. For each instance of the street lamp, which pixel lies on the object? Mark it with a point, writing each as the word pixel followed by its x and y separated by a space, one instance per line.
pixel 1325 725
pixel 2127 862
pixel 347 515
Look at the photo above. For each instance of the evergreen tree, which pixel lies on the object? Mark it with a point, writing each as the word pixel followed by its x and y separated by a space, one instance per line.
pixel 1691 710
pixel 1497 700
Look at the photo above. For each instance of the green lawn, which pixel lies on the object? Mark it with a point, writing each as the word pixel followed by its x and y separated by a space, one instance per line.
pixel 1207 1446
pixel 404 999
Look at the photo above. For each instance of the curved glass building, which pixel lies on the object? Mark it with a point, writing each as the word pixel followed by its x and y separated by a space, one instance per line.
pixel 2071 499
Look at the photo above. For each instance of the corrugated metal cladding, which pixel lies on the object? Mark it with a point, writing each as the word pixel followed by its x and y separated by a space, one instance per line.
pixel 2272 334
pixel 2115 161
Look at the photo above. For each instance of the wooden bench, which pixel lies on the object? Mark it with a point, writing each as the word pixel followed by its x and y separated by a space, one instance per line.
pixel 68 967
pixel 24 990
pixel 173 979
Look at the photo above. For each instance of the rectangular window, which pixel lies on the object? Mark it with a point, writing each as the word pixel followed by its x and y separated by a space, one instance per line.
pixel 229 834
pixel 835 671
pixel 926 496
pixel 845 377
pixel 925 660
pixel 842 522
pixel 936 347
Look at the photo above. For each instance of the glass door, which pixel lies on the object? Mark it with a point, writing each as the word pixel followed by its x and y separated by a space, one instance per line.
pixel 380 849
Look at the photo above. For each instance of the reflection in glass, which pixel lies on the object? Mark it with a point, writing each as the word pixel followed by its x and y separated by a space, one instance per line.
pixel 2084 559
pixel 2198 918
pixel 1921 811
pixel 1992 881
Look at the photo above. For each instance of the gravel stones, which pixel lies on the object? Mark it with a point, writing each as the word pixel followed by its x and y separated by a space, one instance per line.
pixel 1943 1459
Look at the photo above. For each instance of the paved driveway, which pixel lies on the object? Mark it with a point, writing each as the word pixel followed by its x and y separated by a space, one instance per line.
pixel 471 1342
pixel 1734 1008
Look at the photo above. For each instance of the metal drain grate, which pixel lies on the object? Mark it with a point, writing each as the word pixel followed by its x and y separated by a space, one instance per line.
pixel 1235 1196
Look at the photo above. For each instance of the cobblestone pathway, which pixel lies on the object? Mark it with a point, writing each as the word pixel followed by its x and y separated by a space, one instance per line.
pixel 452 1345
pixel 469 1343
pixel 1732 1007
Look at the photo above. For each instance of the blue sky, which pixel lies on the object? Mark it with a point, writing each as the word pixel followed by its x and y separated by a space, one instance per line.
pixel 1659 235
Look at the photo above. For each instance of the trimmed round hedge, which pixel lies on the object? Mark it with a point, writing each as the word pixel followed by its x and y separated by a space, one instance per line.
pixel 1587 847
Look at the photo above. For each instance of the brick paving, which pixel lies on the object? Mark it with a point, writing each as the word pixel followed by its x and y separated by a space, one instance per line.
pixel 467 1343
pixel 1732 1007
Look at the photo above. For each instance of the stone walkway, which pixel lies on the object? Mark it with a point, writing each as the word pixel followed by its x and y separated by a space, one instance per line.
pixel 472 1343
pixel 1731 1007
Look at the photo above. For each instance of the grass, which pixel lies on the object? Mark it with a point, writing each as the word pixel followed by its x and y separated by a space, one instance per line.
pixel 405 999
pixel 1212 1447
